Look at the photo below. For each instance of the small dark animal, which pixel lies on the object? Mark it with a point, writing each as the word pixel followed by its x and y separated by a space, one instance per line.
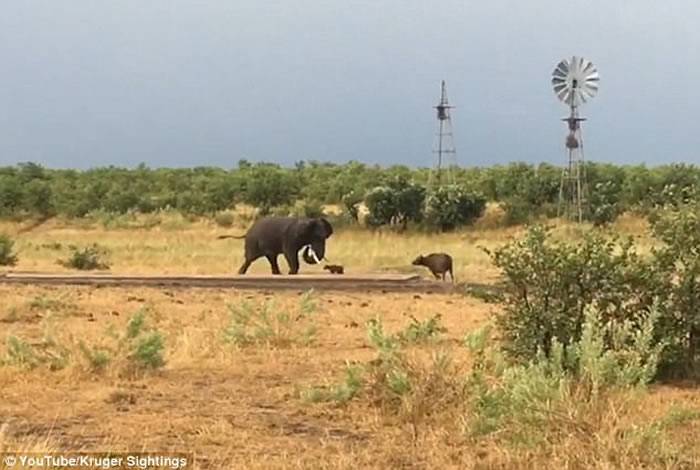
pixel 438 263
pixel 272 236
pixel 334 268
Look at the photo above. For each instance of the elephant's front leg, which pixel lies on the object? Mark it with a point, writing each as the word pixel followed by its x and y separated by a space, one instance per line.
pixel 292 258
pixel 273 264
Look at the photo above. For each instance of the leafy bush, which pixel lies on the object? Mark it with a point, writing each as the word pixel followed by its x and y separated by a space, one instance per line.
pixel 268 186
pixel 341 392
pixel 7 255
pixel 224 219
pixel 97 359
pixel 548 285
pixel 20 354
pixel 544 401
pixel 605 204
pixel 453 206
pixel 410 389
pixel 26 356
pixel 86 259
pixel 397 203
pixel 676 282
pixel 351 202
pixel 418 331
pixel 148 351
pixel 311 209
pixel 135 350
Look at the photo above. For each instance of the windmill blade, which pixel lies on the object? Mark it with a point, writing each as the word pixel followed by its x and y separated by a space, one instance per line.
pixel 575 80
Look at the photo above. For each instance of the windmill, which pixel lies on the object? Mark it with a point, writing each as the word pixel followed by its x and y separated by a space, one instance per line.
pixel 444 150
pixel 575 82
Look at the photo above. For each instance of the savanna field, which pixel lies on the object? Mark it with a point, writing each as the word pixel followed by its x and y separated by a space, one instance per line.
pixel 294 379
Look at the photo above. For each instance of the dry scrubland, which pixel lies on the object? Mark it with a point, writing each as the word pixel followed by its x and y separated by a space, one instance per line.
pixel 254 397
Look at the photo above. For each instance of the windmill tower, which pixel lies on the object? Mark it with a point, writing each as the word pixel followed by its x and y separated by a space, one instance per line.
pixel 574 81
pixel 444 149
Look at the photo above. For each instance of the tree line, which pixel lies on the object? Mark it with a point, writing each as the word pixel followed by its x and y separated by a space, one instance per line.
pixel 396 195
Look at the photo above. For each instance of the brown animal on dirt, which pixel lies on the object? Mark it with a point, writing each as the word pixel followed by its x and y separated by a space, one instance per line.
pixel 334 268
pixel 438 263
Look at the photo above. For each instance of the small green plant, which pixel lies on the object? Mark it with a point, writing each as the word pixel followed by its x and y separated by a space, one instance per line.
pixel 135 325
pixel 386 344
pixel 268 324
pixel 45 303
pixel 137 348
pixel 148 351
pixel 224 219
pixel 423 331
pixel 97 359
pixel 416 332
pixel 143 348
pixel 20 354
pixel 7 255
pixel 86 259
pixel 339 393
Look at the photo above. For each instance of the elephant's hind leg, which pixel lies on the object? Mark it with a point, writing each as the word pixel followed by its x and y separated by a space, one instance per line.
pixel 244 267
pixel 246 264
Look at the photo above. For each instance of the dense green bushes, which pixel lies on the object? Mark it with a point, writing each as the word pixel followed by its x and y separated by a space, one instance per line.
pixel 525 191
pixel 452 206
pixel 550 286
pixel 7 255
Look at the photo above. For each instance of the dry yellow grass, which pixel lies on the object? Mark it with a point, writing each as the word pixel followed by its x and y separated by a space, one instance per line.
pixel 176 246
pixel 240 407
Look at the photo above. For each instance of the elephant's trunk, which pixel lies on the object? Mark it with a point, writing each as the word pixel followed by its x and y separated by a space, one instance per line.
pixel 314 253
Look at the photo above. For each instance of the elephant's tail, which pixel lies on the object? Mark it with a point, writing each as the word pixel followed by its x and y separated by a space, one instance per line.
pixel 221 237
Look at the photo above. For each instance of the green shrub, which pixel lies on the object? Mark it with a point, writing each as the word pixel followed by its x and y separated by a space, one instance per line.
pixel 418 331
pixel 267 324
pixel 453 206
pixel 548 285
pixel 224 219
pixel 397 203
pixel 339 393
pixel 148 351
pixel 7 255
pixel 136 349
pixel 545 399
pixel 676 282
pixel 24 355
pixel 311 209
pixel 97 359
pixel 517 212
pixel 20 353
pixel 86 259
pixel 605 204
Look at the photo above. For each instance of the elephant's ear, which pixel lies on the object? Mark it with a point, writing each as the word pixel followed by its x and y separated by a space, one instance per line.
pixel 305 229
pixel 326 227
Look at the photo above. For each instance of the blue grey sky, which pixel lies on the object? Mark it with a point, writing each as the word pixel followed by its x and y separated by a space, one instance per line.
pixel 182 83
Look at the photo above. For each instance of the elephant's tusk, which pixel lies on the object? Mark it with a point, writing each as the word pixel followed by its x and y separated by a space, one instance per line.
pixel 314 256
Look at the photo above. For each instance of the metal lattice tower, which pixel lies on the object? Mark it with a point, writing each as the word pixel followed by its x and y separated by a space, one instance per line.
pixel 574 82
pixel 444 148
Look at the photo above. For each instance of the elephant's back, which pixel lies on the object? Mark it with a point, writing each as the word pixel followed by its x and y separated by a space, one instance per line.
pixel 269 225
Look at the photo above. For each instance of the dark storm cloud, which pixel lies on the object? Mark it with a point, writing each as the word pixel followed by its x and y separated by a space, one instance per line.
pixel 182 83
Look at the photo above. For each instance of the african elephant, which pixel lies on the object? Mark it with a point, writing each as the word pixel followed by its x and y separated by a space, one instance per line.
pixel 287 235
